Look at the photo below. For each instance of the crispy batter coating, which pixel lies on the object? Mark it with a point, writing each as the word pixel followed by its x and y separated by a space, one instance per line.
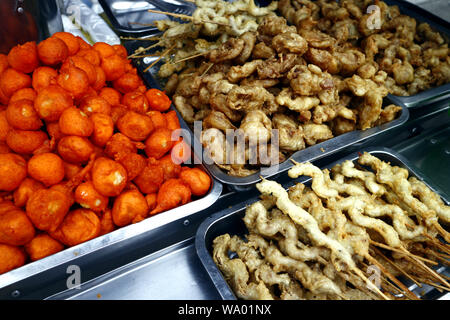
pixel 47 168
pixel 109 177
pixel 11 257
pixel 13 169
pixel 24 58
pixel 128 206
pixel 41 246
pixel 78 226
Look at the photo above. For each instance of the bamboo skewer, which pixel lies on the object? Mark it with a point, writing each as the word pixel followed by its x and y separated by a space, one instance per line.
pixel 369 283
pixel 429 270
pixel 186 17
pixel 404 251
pixel 437 243
pixel 398 268
pixel 392 278
pixel 191 57
pixel 160 57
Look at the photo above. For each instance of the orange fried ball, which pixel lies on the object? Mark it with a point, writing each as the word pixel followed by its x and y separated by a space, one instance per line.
pixel 51 102
pixel 151 200
pixel 11 257
pixel 74 80
pixel 95 104
pixel 134 164
pixel 128 206
pixel 100 79
pixel 120 50
pixel 158 119
pixel 12 80
pixel 89 198
pixel 15 228
pixel 47 208
pixel 150 178
pixel 111 95
pixel 24 58
pixel 106 222
pixel 75 122
pixel 26 188
pixel 105 50
pixel 135 126
pixel 70 40
pixel 75 149
pixel 24 141
pixel 114 67
pixel 4 126
pixel 13 169
pixel 103 129
pixel 157 99
pixel 198 181
pixel 172 193
pixel 173 122
pixel 3 62
pixel 52 51
pixel 47 168
pixel 109 177
pixel 171 169
pixel 90 55
pixel 71 170
pixel 159 143
pixel 79 225
pixel 41 246
pixel 43 77
pixel 83 64
pixel 118 146
pixel 135 101
pixel 22 115
pixel 127 83
pixel 25 93
pixel 83 44
pixel 117 112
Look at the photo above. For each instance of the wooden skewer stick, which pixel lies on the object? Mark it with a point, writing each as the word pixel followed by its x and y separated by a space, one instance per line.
pixel 429 270
pixel 138 51
pixel 408 292
pixel 191 57
pixel 382 245
pixel 398 268
pixel 369 283
pixel 437 243
pixel 186 17
pixel 437 286
pixel 160 57
pixel 442 231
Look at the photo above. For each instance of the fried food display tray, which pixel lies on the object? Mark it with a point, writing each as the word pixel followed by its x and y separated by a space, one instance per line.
pixel 310 153
pixel 436 94
pixel 230 221
pixel 106 244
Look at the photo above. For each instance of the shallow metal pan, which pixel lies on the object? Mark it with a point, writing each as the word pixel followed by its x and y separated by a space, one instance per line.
pixel 230 221
pixel 311 153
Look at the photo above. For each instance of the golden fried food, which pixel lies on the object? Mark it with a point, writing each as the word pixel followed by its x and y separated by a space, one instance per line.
pixel 26 188
pixel 70 40
pixel 75 122
pixel 47 168
pixel 78 226
pixel 112 96
pixel 15 227
pixel 43 77
pixel 47 208
pixel 134 163
pixel 22 115
pixel 25 93
pixel 198 181
pixel 172 193
pixel 159 143
pixel 13 169
pixel 128 82
pixel 89 198
pixel 12 80
pixel 128 206
pixel 103 129
pixel 11 257
pixel 41 246
pixel 83 64
pixel 135 126
pixel 74 80
pixel 114 67
pixel 24 58
pixel 119 145
pixel 51 101
pixel 135 101
pixel 4 126
pixel 95 104
pixel 106 222
pixel 52 51
pixel 150 179
pixel 75 149
pixel 109 177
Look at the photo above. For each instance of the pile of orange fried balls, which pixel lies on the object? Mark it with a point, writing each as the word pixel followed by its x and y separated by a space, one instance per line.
pixel 85 148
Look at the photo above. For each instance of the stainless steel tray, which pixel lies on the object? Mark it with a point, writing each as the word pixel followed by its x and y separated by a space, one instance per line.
pixel 230 221
pixel 105 243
